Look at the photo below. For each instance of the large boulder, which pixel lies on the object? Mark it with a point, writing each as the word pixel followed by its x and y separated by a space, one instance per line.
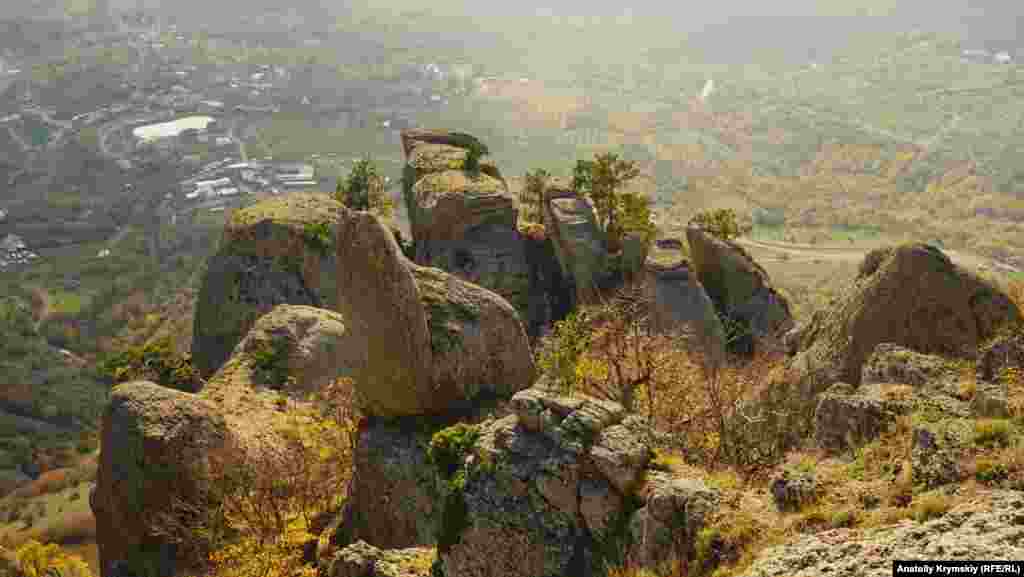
pixel 988 527
pixel 739 286
pixel 580 244
pixel 159 446
pixel 153 438
pixel 679 303
pixel 463 222
pixel 274 252
pixel 427 340
pixel 912 296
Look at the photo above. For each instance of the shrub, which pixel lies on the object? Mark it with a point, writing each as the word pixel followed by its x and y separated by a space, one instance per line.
pixel 991 472
pixel 270 361
pixel 721 223
pixel 364 189
pixel 931 507
pixel 154 361
pixel 448 447
pixel 37 560
pixel 474 151
pixel 993 433
pixel 318 236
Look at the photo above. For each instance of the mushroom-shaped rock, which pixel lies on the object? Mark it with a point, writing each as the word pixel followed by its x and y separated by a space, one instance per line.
pixel 277 251
pixel 427 340
pixel 580 244
pixel 739 287
pixel 914 297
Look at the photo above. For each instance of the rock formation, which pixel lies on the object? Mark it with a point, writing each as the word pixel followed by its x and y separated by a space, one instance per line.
pixel 463 222
pixel 546 490
pixel 272 253
pixel 679 302
pixel 416 340
pixel 988 528
pixel 739 287
pixel 580 244
pixel 157 443
pixel 427 338
pixel 911 295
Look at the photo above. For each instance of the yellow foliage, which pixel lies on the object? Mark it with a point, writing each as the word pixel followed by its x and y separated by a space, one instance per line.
pixel 37 560
pixel 248 557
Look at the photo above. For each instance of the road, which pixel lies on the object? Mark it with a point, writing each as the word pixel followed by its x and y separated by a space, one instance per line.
pixel 810 253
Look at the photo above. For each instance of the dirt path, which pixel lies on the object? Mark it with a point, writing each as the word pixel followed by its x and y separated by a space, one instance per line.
pixel 810 252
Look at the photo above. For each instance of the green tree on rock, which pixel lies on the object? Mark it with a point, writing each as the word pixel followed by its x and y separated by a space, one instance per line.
pixel 533 193
pixel 364 189
pixel 721 223
pixel 602 180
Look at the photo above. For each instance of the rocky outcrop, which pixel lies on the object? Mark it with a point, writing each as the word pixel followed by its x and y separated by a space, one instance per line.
pixel 895 381
pixel 552 294
pixel 914 297
pixel 546 490
pixel 1002 353
pixel 463 222
pixel 848 417
pixel 679 303
pixel 158 444
pixel 363 560
pixel 151 439
pixel 274 252
pixel 580 244
pixel 428 339
pixel 990 527
pixel 739 287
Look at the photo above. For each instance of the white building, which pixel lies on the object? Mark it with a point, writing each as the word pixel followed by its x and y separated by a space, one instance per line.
pixel 230 191
pixel 216 183
pixel 192 195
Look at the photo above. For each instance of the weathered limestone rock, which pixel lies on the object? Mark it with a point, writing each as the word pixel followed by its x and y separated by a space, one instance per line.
pixel 544 490
pixel 847 417
pixel 394 496
pixel 1002 353
pixel 427 339
pixel 915 297
pixel 990 527
pixel 580 244
pixel 738 286
pixel 314 345
pixel 158 445
pixel 363 560
pixel 892 363
pixel 551 293
pixel 154 442
pixel 273 252
pixel 463 222
pixel 680 304
pixel 673 513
